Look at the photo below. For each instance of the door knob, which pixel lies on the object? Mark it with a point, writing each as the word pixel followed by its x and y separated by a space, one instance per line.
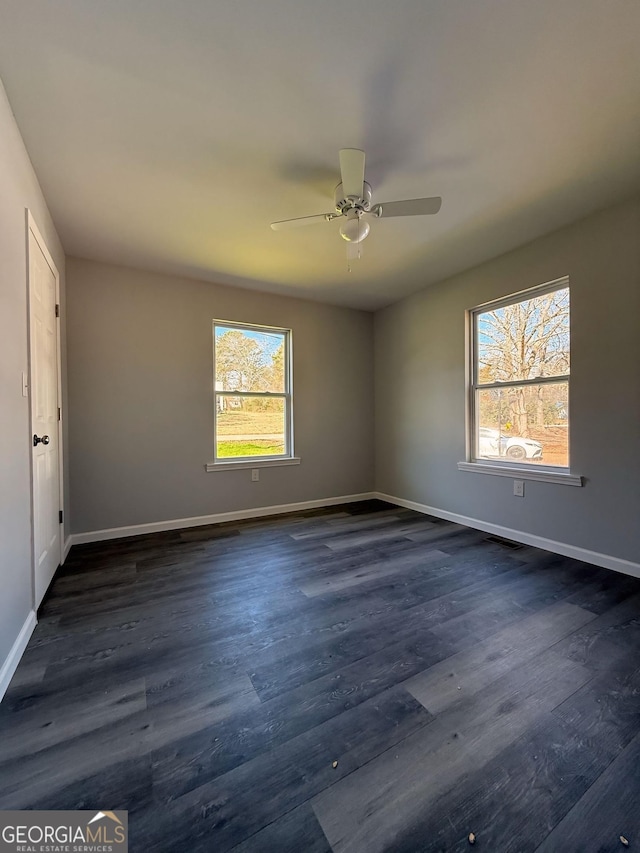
pixel 36 440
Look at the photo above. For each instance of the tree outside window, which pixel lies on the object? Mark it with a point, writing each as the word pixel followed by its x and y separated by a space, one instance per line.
pixel 252 392
pixel 520 377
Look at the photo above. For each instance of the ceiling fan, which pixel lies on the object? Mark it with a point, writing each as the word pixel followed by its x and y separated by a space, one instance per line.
pixel 353 204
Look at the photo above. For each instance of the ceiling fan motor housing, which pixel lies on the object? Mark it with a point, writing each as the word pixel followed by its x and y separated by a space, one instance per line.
pixel 346 203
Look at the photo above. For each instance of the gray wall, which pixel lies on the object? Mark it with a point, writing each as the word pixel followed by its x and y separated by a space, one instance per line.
pixel 19 189
pixel 420 389
pixel 141 407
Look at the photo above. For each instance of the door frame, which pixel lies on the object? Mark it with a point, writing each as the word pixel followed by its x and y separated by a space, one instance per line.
pixel 32 228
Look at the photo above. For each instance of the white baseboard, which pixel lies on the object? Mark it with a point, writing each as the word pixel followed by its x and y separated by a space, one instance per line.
pixel 67 547
pixel 605 560
pixel 17 650
pixel 201 520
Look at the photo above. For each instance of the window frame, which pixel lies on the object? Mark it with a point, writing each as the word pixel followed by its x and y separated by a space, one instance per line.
pixel 285 458
pixel 503 466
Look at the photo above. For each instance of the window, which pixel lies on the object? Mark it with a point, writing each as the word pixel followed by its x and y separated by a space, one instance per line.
pixel 252 392
pixel 519 394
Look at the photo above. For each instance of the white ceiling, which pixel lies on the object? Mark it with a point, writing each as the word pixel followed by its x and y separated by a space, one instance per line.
pixel 168 135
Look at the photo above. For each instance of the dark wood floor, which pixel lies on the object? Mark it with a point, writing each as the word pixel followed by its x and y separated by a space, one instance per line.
pixel 208 680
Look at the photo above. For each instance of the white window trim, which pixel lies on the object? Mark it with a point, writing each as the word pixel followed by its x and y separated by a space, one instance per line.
pixel 287 458
pixel 522 473
pixel 503 468
pixel 254 462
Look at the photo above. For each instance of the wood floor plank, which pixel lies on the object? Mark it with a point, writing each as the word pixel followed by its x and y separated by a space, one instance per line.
pixel 370 808
pixel 182 705
pixel 372 572
pixel 44 726
pixel 440 530
pixel 613 634
pixel 377 521
pixel 294 832
pixel 228 808
pixel 512 802
pixel 607 708
pixel 126 784
pixel 207 679
pixel 375 536
pixel 608 810
pixel 78 584
pixel 312 662
pixel 133 662
pixel 41 776
pixel 279 668
pixel 193 761
pixel 491 617
pixel 469 671
pixel 28 674
pixel 603 590
pixel 439 596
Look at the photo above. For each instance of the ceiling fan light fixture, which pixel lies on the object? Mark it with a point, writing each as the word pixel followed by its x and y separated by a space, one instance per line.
pixel 355 229
pixel 352 200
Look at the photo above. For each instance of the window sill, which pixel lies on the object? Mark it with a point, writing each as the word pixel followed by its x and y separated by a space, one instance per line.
pixel 251 463
pixel 522 473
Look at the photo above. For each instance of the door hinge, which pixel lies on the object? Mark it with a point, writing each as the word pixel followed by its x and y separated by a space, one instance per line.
pixel 59 413
pixel 60 516
pixel 57 310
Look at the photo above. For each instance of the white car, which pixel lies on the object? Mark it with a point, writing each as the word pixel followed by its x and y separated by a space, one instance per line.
pixel 492 443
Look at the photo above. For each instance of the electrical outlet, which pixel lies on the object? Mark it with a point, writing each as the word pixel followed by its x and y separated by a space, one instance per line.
pixel 518 488
pixel 255 475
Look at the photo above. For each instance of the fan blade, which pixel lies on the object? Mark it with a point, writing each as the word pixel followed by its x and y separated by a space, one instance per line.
pixel 408 207
pixel 303 220
pixel 352 171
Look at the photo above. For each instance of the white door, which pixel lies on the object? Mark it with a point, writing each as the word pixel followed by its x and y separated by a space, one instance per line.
pixel 43 336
